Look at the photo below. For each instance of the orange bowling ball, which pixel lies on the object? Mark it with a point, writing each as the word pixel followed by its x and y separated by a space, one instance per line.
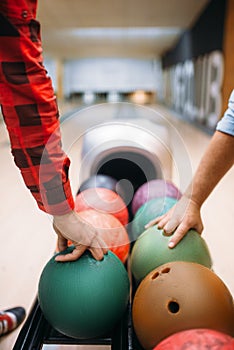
pixel 177 296
pixel 103 200
pixel 111 230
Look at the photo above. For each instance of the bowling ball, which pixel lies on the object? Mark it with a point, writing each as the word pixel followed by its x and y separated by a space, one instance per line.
pixel 197 339
pixel 151 250
pixel 85 298
pixel 177 296
pixel 103 200
pixel 111 230
pixel 154 189
pixel 149 211
pixel 103 181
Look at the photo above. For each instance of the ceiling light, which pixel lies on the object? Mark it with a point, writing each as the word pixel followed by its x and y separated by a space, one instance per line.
pixel 139 32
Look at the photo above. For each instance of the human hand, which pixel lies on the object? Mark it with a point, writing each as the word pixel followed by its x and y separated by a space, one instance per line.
pixel 81 234
pixel 183 216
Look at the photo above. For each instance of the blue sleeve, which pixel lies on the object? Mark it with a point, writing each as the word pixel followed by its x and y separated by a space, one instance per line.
pixel 226 124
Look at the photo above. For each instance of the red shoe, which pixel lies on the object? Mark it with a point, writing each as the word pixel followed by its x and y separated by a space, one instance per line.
pixel 10 319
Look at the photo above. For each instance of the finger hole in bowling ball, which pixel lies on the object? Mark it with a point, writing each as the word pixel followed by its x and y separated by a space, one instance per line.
pixel 173 307
pixel 155 275
pixel 166 270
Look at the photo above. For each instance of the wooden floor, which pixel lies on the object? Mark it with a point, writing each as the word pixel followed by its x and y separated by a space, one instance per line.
pixel 28 240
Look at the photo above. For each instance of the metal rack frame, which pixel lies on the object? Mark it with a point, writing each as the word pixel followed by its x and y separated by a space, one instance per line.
pixel 37 332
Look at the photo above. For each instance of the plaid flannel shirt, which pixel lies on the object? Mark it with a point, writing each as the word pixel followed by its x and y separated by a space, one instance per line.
pixel 30 110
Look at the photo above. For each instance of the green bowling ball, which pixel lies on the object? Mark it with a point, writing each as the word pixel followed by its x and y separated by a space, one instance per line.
pixel 85 298
pixel 149 211
pixel 151 250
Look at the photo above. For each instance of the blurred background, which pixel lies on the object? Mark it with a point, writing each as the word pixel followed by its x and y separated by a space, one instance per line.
pixel 170 52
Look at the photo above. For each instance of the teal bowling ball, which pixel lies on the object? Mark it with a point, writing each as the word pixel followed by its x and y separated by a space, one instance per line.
pixel 151 250
pixel 85 298
pixel 149 211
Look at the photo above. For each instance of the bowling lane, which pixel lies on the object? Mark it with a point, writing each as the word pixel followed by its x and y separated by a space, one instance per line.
pixel 27 236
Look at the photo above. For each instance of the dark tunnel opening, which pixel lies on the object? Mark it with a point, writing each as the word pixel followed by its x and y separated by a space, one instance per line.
pixel 131 166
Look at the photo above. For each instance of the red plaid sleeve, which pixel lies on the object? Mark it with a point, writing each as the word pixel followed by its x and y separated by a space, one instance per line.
pixel 30 110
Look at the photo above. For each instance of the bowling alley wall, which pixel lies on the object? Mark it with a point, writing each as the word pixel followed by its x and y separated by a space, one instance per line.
pixel 198 72
pixel 194 79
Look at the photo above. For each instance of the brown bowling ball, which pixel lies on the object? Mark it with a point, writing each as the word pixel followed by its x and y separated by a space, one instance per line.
pixel 177 296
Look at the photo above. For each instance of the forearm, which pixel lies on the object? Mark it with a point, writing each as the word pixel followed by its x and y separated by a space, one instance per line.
pixel 217 160
pixel 30 112
pixel 215 163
